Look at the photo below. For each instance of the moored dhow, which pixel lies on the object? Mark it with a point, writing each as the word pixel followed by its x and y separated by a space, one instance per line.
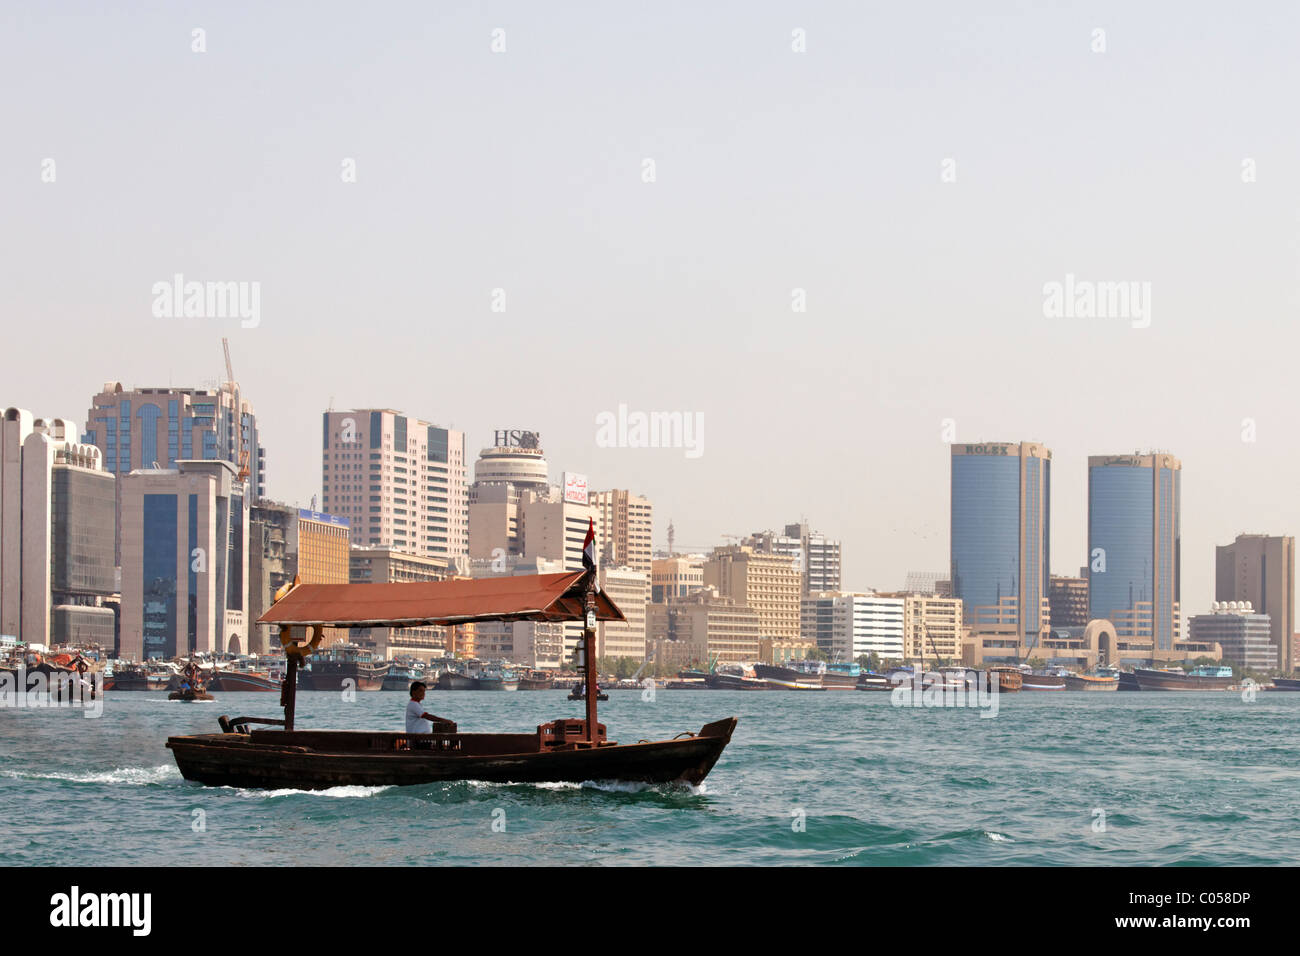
pixel 870 680
pixel 793 675
pixel 841 675
pixel 735 677
pixel 1008 678
pixel 1040 680
pixel 497 677
pixel 455 678
pixel 402 674
pixel 1128 681
pixel 1099 681
pixel 1198 678
pixel 239 681
pixel 344 666
pixel 536 680
pixel 564 750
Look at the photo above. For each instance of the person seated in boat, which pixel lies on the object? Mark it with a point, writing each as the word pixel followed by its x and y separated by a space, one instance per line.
pixel 417 720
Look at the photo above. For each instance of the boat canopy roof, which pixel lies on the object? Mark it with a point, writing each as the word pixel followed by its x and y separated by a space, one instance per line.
pixel 532 597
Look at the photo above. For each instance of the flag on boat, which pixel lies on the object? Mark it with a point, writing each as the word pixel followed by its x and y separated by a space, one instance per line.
pixel 589 546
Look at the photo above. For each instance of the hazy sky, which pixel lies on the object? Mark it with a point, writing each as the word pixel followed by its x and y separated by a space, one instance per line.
pixel 774 170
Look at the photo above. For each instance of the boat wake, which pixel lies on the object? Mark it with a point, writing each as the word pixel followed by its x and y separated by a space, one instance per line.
pixel 606 786
pixel 133 776
pixel 336 792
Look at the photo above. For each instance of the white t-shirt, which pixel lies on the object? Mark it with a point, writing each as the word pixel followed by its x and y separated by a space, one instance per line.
pixel 415 723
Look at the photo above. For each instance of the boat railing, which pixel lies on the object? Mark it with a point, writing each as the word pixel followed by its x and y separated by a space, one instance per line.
pixel 240 724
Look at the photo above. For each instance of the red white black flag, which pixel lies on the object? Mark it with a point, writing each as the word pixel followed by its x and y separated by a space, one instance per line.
pixel 589 545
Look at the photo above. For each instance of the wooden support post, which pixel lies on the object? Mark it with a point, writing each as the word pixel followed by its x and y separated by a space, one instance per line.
pixel 289 697
pixel 589 644
pixel 288 689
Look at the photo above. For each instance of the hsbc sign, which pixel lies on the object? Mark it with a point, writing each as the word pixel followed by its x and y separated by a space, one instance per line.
pixel 515 438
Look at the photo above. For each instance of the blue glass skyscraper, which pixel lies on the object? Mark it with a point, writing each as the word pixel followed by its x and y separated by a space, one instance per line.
pixel 1000 535
pixel 1134 540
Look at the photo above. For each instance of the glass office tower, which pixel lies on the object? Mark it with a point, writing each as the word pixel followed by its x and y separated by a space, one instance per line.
pixel 1000 535
pixel 1134 542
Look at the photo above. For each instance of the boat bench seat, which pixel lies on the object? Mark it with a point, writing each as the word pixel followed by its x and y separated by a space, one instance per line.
pixel 445 742
pixel 565 733
pixel 351 741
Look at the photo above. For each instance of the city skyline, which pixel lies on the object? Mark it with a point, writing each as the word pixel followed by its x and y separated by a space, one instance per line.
pixel 891 570
pixel 775 171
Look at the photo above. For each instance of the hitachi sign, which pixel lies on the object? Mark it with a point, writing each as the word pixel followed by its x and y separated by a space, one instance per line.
pixel 987 449
pixel 515 438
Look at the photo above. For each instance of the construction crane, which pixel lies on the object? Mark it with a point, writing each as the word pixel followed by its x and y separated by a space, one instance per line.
pixel 648 660
pixel 239 412
pixel 943 661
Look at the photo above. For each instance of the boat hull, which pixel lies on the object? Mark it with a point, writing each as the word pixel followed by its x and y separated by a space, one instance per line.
pixel 449 680
pixel 496 683
pixel 338 681
pixel 1010 679
pixel 834 681
pixel 189 696
pixel 238 683
pixel 1163 680
pixel 735 682
pixel 1041 682
pixel 793 685
pixel 239 760
pixel 874 682
pixel 1085 682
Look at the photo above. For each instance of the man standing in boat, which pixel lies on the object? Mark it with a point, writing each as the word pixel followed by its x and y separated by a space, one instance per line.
pixel 417 720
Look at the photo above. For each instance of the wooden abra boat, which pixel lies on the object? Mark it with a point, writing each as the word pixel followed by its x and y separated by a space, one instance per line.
pixel 190 685
pixel 557 752
pixel 564 750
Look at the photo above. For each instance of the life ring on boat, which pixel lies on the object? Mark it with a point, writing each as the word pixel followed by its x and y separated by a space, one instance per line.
pixel 300 650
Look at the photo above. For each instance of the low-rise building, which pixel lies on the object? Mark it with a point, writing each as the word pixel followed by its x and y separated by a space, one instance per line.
pixel 370 565
pixel 705 626
pixel 1244 635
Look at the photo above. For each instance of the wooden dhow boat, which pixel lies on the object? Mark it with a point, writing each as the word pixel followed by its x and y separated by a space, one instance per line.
pixel 564 750
pixel 1042 680
pixel 1009 678
pixel 1198 678
pixel 1103 681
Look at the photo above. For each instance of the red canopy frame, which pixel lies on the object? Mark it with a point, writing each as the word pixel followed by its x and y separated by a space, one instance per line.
pixel 565 596
pixel 532 597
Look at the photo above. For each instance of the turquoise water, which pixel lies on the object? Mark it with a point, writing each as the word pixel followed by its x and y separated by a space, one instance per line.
pixel 1182 778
